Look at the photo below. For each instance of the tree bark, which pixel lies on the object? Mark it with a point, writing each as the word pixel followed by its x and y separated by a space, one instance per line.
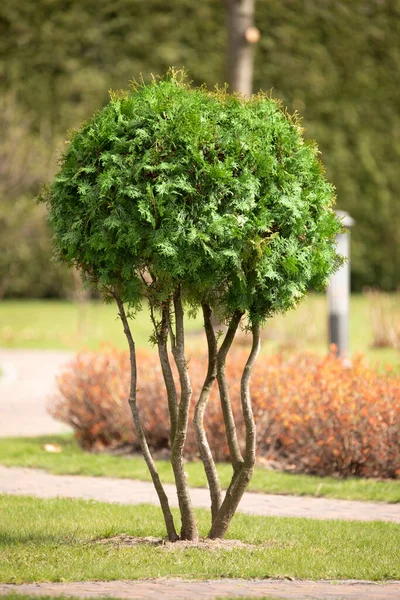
pixel 240 17
pixel 242 476
pixel 189 527
pixel 168 518
pixel 161 332
pixel 229 421
pixel 198 421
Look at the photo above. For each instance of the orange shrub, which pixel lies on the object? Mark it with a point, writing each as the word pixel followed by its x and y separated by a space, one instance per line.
pixel 311 412
pixel 329 419
pixel 93 400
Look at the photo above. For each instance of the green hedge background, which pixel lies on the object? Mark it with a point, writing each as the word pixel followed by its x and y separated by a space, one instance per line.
pixel 335 62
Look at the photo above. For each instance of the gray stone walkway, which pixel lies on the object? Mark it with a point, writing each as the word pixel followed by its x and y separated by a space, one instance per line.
pixel 175 589
pixel 17 480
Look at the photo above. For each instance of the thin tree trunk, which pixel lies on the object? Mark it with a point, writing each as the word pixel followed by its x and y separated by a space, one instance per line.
pixel 229 421
pixel 161 332
pixel 189 527
pixel 198 421
pixel 240 19
pixel 242 477
pixel 168 518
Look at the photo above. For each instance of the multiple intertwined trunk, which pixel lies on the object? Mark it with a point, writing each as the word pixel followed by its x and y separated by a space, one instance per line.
pixel 168 518
pixel 222 508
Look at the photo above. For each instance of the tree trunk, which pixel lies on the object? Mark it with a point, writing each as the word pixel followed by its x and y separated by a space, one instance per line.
pixel 229 421
pixel 198 421
pixel 240 20
pixel 168 518
pixel 162 344
pixel 189 527
pixel 242 475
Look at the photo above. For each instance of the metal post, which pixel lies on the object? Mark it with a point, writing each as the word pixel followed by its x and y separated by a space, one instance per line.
pixel 339 293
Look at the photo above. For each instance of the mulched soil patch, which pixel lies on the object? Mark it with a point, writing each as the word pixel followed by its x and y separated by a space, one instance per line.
pixel 203 543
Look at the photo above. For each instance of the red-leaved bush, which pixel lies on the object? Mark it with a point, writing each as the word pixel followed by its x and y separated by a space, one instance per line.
pixel 311 412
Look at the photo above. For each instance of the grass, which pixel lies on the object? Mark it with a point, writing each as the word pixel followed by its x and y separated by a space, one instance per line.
pixel 25 324
pixel 60 325
pixel 28 452
pixel 53 540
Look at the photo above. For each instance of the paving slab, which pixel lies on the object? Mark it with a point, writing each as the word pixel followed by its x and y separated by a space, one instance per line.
pixel 35 482
pixel 175 589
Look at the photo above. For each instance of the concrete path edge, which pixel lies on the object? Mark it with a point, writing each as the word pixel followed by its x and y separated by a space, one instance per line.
pixel 39 483
pixel 174 589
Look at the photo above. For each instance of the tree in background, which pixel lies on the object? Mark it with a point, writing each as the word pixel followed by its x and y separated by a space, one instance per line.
pixel 195 201
pixel 241 36
pixel 25 238
pixel 337 63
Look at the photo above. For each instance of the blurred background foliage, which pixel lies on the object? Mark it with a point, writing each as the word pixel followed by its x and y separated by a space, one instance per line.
pixel 335 62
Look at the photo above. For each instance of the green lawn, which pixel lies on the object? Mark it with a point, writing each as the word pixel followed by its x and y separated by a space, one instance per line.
pixel 50 324
pixel 64 325
pixel 28 452
pixel 55 540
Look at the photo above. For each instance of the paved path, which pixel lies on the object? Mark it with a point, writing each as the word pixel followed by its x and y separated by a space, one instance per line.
pixel 25 387
pixel 16 480
pixel 175 589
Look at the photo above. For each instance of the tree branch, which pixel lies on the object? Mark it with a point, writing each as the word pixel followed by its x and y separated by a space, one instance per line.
pixel 171 331
pixel 168 518
pixel 198 421
pixel 230 427
pixel 189 528
pixel 241 478
pixel 161 332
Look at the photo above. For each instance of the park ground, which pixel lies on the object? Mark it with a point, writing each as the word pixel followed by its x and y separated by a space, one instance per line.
pixel 55 540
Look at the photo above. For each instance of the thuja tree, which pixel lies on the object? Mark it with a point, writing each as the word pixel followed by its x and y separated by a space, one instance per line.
pixel 194 199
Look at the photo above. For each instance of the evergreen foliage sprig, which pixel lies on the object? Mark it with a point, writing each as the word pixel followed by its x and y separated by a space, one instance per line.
pixel 208 192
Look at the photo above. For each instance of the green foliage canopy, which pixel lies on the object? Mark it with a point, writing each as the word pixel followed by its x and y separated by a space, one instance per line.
pixel 336 62
pixel 203 190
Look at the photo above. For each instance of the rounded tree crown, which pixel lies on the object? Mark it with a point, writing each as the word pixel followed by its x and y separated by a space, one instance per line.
pixel 208 191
